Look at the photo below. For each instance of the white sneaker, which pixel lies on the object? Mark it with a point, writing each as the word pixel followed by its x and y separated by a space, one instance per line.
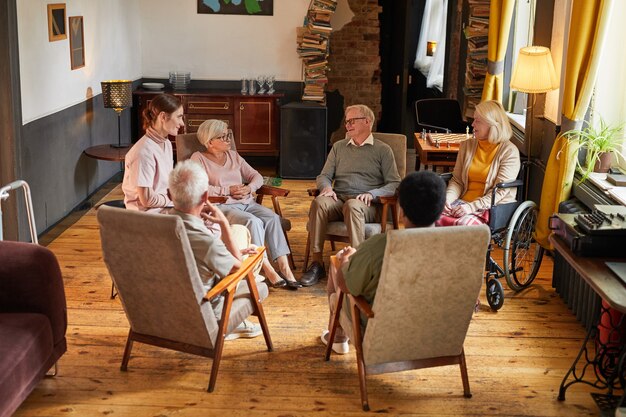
pixel 246 329
pixel 341 348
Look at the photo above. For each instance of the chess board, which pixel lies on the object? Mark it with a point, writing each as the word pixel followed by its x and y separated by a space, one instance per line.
pixel 446 140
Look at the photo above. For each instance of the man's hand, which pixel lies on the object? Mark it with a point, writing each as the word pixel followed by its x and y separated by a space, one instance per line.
pixel 211 213
pixel 328 192
pixel 239 191
pixel 252 250
pixel 344 255
pixel 365 198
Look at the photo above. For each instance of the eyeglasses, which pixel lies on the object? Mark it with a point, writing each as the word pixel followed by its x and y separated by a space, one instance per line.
pixel 350 122
pixel 225 137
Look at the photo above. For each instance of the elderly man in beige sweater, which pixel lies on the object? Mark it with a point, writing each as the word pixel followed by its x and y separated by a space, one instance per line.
pixel 359 169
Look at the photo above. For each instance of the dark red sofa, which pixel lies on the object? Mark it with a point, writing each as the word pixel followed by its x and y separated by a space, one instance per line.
pixel 33 319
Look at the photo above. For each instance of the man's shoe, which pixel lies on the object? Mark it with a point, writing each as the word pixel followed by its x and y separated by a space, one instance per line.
pixel 341 348
pixel 246 329
pixel 313 274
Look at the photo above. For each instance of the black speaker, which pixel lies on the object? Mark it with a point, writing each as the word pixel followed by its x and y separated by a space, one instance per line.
pixel 302 140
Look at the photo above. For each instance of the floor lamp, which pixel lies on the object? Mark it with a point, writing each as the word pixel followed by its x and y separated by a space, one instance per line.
pixel 117 95
pixel 533 73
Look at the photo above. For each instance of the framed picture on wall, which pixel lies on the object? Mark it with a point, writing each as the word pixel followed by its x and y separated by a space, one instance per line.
pixel 244 7
pixel 56 22
pixel 77 42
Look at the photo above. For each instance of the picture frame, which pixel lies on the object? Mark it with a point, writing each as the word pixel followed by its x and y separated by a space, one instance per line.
pixel 77 42
pixel 56 22
pixel 238 7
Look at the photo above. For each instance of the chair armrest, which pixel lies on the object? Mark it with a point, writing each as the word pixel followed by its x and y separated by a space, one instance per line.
pixel 217 199
pixel 273 191
pixel 229 282
pixel 389 200
pixel 31 281
pixel 362 304
pixel 313 192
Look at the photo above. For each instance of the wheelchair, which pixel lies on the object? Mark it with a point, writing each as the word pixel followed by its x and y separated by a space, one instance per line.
pixel 512 226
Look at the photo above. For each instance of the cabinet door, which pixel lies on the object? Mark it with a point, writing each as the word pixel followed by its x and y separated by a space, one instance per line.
pixel 256 124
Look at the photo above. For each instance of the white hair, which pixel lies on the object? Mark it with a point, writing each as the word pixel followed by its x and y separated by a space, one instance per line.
pixel 187 183
pixel 210 129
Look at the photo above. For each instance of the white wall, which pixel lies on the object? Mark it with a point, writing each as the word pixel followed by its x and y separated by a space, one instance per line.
pixel 112 42
pixel 220 47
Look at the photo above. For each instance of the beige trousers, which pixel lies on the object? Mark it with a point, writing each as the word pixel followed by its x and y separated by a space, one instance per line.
pixel 348 209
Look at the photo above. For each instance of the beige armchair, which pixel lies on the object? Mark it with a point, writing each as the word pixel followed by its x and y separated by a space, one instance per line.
pixel 422 308
pixel 187 144
pixel 152 265
pixel 338 231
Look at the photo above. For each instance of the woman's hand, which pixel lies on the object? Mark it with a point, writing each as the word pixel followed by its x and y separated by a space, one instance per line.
pixel 239 191
pixel 460 210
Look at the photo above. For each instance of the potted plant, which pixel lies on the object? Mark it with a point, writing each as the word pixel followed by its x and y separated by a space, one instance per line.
pixel 600 143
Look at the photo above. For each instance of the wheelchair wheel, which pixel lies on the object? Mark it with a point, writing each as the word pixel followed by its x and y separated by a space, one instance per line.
pixel 522 255
pixel 495 294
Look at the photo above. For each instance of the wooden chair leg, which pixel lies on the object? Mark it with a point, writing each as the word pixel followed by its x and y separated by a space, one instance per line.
pixel 466 388
pixel 307 249
pixel 219 344
pixel 259 312
pixel 334 324
pixel 332 246
pixel 127 349
pixel 356 329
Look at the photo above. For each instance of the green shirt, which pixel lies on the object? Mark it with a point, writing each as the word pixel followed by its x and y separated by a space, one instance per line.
pixel 362 273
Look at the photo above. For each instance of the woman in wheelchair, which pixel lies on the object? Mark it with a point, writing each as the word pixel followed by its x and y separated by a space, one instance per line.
pixel 483 161
pixel 231 176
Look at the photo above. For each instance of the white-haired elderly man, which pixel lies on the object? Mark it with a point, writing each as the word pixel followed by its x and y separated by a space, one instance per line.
pixel 216 255
pixel 359 169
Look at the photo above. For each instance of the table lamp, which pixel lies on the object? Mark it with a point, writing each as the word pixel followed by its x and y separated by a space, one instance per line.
pixel 431 48
pixel 117 95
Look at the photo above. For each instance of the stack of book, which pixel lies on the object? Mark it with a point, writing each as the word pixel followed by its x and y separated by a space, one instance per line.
pixel 313 48
pixel 477 34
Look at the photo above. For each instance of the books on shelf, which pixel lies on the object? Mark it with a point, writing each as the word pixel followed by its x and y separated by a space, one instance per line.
pixel 477 34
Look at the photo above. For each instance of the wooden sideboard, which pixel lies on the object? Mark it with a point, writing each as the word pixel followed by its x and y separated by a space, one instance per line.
pixel 253 119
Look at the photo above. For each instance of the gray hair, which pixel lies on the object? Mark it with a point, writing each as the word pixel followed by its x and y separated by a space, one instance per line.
pixel 364 111
pixel 187 182
pixel 210 129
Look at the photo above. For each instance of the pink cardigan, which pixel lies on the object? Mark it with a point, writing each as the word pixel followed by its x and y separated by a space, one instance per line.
pixel 234 171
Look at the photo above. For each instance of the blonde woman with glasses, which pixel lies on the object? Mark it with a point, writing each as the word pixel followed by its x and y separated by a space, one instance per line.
pixel 232 177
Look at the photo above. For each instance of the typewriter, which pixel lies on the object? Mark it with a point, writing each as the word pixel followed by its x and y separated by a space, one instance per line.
pixel 599 233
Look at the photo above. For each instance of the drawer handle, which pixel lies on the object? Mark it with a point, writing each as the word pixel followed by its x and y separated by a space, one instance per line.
pixel 194 123
pixel 241 106
pixel 210 106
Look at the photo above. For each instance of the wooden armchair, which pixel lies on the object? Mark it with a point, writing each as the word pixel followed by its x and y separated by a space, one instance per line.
pixel 152 265
pixel 422 309
pixel 187 144
pixel 338 231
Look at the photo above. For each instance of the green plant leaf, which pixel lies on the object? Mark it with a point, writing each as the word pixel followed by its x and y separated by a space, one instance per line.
pixel 252 6
pixel 226 1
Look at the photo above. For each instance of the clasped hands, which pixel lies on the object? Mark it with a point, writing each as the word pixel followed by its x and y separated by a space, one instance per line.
pixel 239 191
pixel 366 198
pixel 458 210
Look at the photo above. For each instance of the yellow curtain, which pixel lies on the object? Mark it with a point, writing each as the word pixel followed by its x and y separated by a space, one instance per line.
pixel 588 29
pixel 500 16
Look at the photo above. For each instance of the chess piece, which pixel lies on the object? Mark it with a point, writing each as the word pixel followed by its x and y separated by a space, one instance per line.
pixel 466 132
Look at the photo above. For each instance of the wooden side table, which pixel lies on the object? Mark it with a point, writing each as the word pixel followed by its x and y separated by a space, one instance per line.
pixel 108 153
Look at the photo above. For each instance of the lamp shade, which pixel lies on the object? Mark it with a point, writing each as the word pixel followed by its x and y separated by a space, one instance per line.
pixel 534 71
pixel 117 94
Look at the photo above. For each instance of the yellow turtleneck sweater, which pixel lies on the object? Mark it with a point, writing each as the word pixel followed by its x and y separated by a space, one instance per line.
pixel 479 169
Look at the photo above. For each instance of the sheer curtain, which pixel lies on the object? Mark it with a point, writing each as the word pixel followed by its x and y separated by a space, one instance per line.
pixel 433 29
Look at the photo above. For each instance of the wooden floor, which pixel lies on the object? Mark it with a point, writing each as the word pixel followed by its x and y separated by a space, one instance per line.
pixel 516 357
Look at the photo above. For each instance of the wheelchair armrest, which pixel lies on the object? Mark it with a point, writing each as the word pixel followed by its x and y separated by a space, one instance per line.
pixel 313 192
pixel 511 184
pixel 437 129
pixel 446 176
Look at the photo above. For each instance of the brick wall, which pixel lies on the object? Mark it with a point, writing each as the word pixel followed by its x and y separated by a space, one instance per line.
pixel 355 61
